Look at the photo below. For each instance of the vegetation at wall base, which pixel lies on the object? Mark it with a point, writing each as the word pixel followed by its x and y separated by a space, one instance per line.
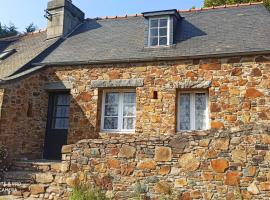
pixel 267 4
pixel 4 162
pixel 86 192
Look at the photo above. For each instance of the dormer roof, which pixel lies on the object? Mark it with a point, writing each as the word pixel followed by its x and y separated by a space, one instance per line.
pixel 172 12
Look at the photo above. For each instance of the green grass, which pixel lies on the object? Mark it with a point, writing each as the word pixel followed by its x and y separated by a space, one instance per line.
pixel 87 193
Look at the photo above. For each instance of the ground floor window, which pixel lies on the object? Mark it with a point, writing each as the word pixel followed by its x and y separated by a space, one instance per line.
pixel 118 111
pixel 193 110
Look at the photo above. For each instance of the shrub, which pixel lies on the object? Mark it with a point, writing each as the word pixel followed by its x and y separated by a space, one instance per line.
pixel 86 192
pixel 4 163
pixel 267 3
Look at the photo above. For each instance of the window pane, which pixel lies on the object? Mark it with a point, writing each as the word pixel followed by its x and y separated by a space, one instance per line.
pixel 129 97
pixel 111 110
pixel 163 41
pixel 60 123
pixel 163 22
pixel 62 111
pixel 153 41
pixel 200 111
pixel 129 110
pixel 112 98
pixel 110 122
pixel 154 23
pixel 63 99
pixel 163 32
pixel 153 32
pixel 129 123
pixel 185 112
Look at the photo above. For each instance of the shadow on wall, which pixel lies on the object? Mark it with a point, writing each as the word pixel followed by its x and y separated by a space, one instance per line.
pixel 24 115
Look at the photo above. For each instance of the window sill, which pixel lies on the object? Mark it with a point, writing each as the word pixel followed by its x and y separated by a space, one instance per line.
pixel 159 47
pixel 116 133
pixel 194 132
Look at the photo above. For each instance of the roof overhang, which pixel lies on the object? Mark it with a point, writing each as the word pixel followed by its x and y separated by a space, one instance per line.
pixel 172 12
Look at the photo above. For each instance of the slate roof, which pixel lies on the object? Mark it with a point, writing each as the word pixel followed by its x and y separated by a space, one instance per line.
pixel 27 48
pixel 232 30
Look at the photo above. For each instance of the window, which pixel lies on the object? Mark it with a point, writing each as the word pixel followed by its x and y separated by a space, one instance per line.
pixel 60 118
pixel 5 54
pixel 119 111
pixel 159 31
pixel 193 111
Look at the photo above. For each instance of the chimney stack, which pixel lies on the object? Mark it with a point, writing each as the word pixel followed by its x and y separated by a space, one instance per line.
pixel 63 17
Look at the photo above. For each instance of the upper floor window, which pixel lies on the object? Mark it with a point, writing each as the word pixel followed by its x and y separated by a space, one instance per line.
pixel 193 110
pixel 119 111
pixel 159 31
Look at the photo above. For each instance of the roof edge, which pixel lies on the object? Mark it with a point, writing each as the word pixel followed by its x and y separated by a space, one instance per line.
pixel 40 66
pixel 153 59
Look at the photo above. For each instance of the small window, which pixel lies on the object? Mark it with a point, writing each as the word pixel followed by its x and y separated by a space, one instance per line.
pixel 119 111
pixel 159 32
pixel 5 54
pixel 193 111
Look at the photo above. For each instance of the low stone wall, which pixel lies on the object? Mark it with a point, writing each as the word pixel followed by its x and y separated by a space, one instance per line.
pixel 227 164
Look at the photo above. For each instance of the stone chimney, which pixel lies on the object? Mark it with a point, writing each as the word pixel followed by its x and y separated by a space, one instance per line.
pixel 63 17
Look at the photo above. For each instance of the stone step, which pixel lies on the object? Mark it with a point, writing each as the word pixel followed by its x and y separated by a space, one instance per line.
pixel 34 165
pixel 20 177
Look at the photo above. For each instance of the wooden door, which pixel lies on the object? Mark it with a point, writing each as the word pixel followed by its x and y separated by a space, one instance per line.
pixel 57 125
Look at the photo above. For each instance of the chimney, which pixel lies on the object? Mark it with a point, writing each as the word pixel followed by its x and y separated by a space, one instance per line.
pixel 63 17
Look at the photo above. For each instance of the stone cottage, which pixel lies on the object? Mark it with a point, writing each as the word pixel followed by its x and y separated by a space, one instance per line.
pixel 147 77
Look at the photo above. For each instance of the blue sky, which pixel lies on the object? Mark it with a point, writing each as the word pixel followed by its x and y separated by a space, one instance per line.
pixel 24 12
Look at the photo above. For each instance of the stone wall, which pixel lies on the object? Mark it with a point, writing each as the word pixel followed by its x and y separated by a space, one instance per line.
pixel 238 94
pixel 225 164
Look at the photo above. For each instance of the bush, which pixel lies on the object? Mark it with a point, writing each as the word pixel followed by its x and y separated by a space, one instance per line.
pixel 267 3
pixel 3 158
pixel 4 163
pixel 85 192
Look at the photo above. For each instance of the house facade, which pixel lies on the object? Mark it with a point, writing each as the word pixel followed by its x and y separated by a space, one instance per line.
pixel 158 74
pixel 167 102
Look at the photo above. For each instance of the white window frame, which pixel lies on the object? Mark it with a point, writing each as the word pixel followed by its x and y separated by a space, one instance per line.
pixel 168 31
pixel 192 110
pixel 120 111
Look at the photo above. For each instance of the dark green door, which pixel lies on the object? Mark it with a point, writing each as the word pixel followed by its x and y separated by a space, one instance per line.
pixel 57 125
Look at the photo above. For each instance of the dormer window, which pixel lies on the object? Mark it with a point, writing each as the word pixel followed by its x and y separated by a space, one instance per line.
pixel 160 27
pixel 159 31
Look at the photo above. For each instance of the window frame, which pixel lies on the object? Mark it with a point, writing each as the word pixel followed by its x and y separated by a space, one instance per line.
pixel 120 111
pixel 192 110
pixel 168 31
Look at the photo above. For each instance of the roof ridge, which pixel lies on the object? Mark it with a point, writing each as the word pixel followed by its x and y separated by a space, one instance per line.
pixel 190 10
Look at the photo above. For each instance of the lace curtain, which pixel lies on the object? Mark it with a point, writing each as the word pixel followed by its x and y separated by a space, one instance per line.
pixel 193 111
pixel 120 108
